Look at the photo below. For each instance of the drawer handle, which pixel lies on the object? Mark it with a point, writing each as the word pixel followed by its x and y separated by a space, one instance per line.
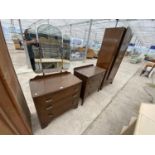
pixel 49 101
pixel 49 108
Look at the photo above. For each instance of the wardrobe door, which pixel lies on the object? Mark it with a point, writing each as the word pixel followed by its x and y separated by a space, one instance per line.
pixel 110 45
pixel 121 52
pixel 12 101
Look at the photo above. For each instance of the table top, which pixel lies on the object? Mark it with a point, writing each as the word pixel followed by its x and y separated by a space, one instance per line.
pixel 52 83
pixel 90 71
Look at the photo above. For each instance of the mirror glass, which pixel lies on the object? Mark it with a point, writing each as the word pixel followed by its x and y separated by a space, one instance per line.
pixel 49 54
pixel 66 52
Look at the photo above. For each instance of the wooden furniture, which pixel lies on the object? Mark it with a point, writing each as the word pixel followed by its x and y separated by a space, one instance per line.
pixel 144 124
pixel 54 94
pixel 14 112
pixel 114 45
pixel 129 129
pixel 91 77
pixel 146 120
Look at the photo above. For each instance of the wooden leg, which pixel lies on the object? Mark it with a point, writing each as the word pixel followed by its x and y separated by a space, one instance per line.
pixel 100 88
pixel 82 102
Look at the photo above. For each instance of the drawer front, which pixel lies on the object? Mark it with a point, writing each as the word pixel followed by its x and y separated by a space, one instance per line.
pixel 96 78
pixel 90 89
pixel 53 108
pixel 58 96
pixel 93 84
pixel 59 103
pixel 68 104
pixel 42 115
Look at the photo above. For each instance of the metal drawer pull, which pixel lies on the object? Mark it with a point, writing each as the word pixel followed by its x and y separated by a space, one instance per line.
pixel 49 108
pixel 48 101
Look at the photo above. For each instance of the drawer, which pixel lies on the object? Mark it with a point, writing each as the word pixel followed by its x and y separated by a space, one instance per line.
pixel 59 103
pixel 67 104
pixel 95 84
pixel 90 90
pixel 48 112
pixel 54 97
pixel 95 78
pixel 55 113
pixel 92 87
pixel 42 115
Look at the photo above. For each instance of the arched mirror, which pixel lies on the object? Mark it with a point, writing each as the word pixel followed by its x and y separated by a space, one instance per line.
pixel 50 55
pixel 66 52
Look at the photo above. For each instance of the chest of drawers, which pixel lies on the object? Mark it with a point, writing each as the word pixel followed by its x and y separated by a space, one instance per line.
pixel 91 77
pixel 54 94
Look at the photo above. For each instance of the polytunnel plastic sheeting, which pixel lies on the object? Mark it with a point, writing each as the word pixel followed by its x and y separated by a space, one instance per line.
pixel 143 29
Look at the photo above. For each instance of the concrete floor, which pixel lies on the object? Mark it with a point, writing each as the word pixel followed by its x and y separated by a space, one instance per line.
pixel 123 106
pixel 104 112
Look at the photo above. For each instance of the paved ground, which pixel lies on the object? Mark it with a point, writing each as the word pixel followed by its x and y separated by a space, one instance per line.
pixel 104 112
